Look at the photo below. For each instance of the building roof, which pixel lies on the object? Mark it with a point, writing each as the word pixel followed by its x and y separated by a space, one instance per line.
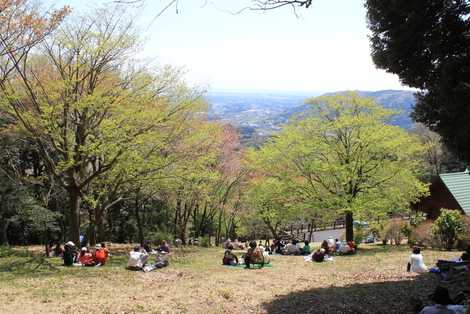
pixel 458 184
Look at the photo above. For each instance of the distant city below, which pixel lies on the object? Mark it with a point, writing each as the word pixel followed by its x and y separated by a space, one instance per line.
pixel 259 115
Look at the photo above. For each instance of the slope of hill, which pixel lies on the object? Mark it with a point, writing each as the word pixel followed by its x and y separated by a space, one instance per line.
pixel 259 115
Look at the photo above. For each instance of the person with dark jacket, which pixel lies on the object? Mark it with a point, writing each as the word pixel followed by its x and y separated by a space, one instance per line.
pixel 58 251
pixel 466 255
pixel 326 247
pixel 319 255
pixel 68 255
pixel 443 303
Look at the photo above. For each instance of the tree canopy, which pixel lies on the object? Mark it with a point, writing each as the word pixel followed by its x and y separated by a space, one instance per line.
pixel 427 46
pixel 342 157
pixel 99 143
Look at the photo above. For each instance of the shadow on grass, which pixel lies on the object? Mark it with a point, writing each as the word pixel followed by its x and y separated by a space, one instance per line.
pixel 374 297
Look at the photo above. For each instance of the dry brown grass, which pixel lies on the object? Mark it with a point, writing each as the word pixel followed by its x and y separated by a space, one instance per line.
pixel 373 281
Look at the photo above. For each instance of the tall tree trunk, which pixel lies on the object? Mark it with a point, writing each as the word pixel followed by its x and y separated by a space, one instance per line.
pixel 138 219
pixel 92 227
pixel 349 226
pixel 272 228
pixel 177 217
pixel 4 234
pixel 99 224
pixel 311 229
pixel 219 227
pixel 75 199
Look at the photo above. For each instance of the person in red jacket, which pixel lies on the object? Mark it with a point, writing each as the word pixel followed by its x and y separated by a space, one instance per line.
pixel 101 254
pixel 86 258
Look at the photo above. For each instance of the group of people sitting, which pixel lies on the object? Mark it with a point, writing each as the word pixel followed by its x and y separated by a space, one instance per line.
pixel 416 264
pixel 450 272
pixel 235 244
pixel 328 247
pixel 138 257
pixel 54 251
pixel 259 253
pixel 443 303
pixel 256 254
pixel 85 257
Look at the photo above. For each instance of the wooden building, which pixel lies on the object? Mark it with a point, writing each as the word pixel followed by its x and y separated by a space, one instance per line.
pixel 448 190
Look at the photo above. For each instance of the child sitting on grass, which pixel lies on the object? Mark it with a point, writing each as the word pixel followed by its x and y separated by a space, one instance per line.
pixel 229 257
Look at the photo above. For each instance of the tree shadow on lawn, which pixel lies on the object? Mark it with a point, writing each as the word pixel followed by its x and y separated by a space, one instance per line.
pixel 374 297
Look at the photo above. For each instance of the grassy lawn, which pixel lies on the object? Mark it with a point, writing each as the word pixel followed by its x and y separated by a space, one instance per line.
pixel 373 281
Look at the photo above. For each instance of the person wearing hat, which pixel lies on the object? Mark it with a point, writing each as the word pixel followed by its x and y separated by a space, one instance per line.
pixel 68 254
pixel 86 258
pixel 444 303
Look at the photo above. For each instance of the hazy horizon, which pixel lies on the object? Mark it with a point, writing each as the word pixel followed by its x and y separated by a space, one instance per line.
pixel 297 92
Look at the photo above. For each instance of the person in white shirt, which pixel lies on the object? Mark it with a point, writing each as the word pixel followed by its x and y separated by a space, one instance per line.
pixel 444 304
pixel 137 258
pixel 416 263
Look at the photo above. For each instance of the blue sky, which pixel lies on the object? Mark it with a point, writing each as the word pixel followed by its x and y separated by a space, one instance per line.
pixel 324 49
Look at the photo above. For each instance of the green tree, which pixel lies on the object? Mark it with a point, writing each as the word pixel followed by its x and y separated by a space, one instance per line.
pixel 426 44
pixel 83 105
pixel 448 226
pixel 268 200
pixel 342 157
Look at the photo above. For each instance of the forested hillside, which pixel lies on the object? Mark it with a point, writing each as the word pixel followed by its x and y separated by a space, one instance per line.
pixel 259 115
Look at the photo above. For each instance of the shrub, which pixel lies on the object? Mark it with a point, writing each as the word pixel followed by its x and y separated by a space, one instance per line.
pixel 406 230
pixel 463 241
pixel 417 219
pixel 394 230
pixel 205 241
pixel 7 251
pixel 158 236
pixel 447 227
pixel 422 235
pixel 359 235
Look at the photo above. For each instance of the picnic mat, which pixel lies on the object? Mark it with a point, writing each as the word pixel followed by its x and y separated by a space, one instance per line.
pixel 252 266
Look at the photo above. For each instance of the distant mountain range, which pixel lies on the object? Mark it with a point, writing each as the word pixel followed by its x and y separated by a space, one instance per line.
pixel 259 115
